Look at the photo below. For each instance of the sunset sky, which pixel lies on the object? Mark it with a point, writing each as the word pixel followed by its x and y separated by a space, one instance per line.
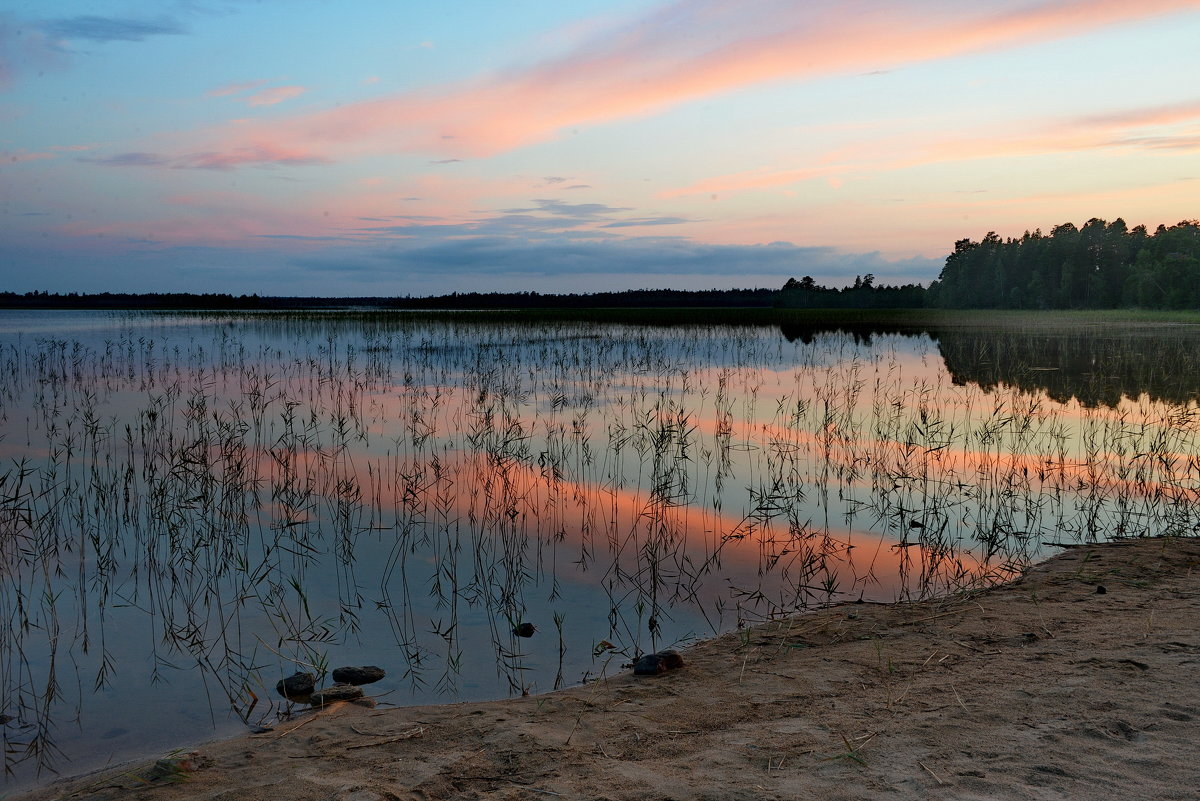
pixel 380 147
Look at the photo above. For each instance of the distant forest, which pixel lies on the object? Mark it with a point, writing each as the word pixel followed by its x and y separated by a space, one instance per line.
pixel 1099 266
pixel 634 298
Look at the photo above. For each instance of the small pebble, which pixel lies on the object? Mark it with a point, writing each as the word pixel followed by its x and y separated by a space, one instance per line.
pixel 524 629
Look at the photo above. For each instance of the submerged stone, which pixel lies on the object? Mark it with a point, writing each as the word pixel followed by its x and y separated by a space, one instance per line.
pixel 296 686
pixel 338 692
pixel 177 767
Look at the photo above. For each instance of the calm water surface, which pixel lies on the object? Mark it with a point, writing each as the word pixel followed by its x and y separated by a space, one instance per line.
pixel 193 506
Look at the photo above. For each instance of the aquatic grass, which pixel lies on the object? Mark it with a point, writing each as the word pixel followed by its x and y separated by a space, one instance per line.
pixel 257 492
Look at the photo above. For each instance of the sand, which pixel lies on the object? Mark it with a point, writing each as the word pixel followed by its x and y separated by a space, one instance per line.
pixel 1048 688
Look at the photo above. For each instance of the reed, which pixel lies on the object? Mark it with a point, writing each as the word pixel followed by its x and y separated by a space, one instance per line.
pixel 235 496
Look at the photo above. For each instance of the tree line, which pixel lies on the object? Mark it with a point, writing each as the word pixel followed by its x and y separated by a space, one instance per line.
pixel 629 299
pixel 1102 265
pixel 863 294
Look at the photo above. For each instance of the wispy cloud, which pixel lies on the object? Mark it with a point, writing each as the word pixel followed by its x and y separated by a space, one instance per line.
pixel 51 152
pixel 1170 114
pixel 646 221
pixel 682 52
pixel 20 156
pixel 262 155
pixel 111 29
pixel 129 160
pixel 660 256
pixel 33 47
pixel 235 88
pixel 573 211
pixel 546 219
pixel 25 49
pixel 764 178
pixel 258 155
pixel 278 94
pixel 1170 127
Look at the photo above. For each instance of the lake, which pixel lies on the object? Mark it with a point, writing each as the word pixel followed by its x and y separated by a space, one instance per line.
pixel 193 506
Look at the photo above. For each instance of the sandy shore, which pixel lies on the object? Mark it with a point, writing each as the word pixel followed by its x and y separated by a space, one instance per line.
pixel 1050 688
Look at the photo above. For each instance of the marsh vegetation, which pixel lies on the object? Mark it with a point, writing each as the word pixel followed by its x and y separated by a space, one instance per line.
pixel 192 507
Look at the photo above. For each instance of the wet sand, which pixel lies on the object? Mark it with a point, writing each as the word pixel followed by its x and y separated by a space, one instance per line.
pixel 1079 681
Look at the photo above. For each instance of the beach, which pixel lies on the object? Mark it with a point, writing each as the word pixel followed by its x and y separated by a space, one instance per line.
pixel 1076 681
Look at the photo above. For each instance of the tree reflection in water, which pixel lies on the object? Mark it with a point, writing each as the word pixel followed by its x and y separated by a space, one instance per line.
pixel 193 507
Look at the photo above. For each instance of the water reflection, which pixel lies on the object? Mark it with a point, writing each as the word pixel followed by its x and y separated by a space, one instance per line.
pixel 1095 368
pixel 194 508
pixel 1095 365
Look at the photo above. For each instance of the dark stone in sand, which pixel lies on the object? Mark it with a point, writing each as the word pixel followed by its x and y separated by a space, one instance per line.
pixel 1100 589
pixel 177 768
pixel 296 686
pixel 358 675
pixel 672 659
pixel 654 664
pixel 338 692
pixel 650 665
pixel 524 629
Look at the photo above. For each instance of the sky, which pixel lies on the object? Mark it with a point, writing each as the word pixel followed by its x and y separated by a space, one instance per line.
pixel 381 147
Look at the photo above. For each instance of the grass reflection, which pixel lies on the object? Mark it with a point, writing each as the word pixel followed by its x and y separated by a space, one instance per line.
pixel 214 503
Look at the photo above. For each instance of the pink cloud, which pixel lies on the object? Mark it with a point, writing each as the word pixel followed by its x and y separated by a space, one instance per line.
pixel 213 218
pixel 298 222
pixel 679 53
pixel 752 179
pixel 255 153
pixel 234 88
pixel 19 156
pixel 278 94
pixel 1171 114
pixel 1171 127
pixel 1174 127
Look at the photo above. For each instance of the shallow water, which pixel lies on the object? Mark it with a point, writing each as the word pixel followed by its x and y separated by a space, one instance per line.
pixel 193 506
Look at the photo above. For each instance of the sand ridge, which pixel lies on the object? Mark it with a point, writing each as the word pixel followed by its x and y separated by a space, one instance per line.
pixel 1078 681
